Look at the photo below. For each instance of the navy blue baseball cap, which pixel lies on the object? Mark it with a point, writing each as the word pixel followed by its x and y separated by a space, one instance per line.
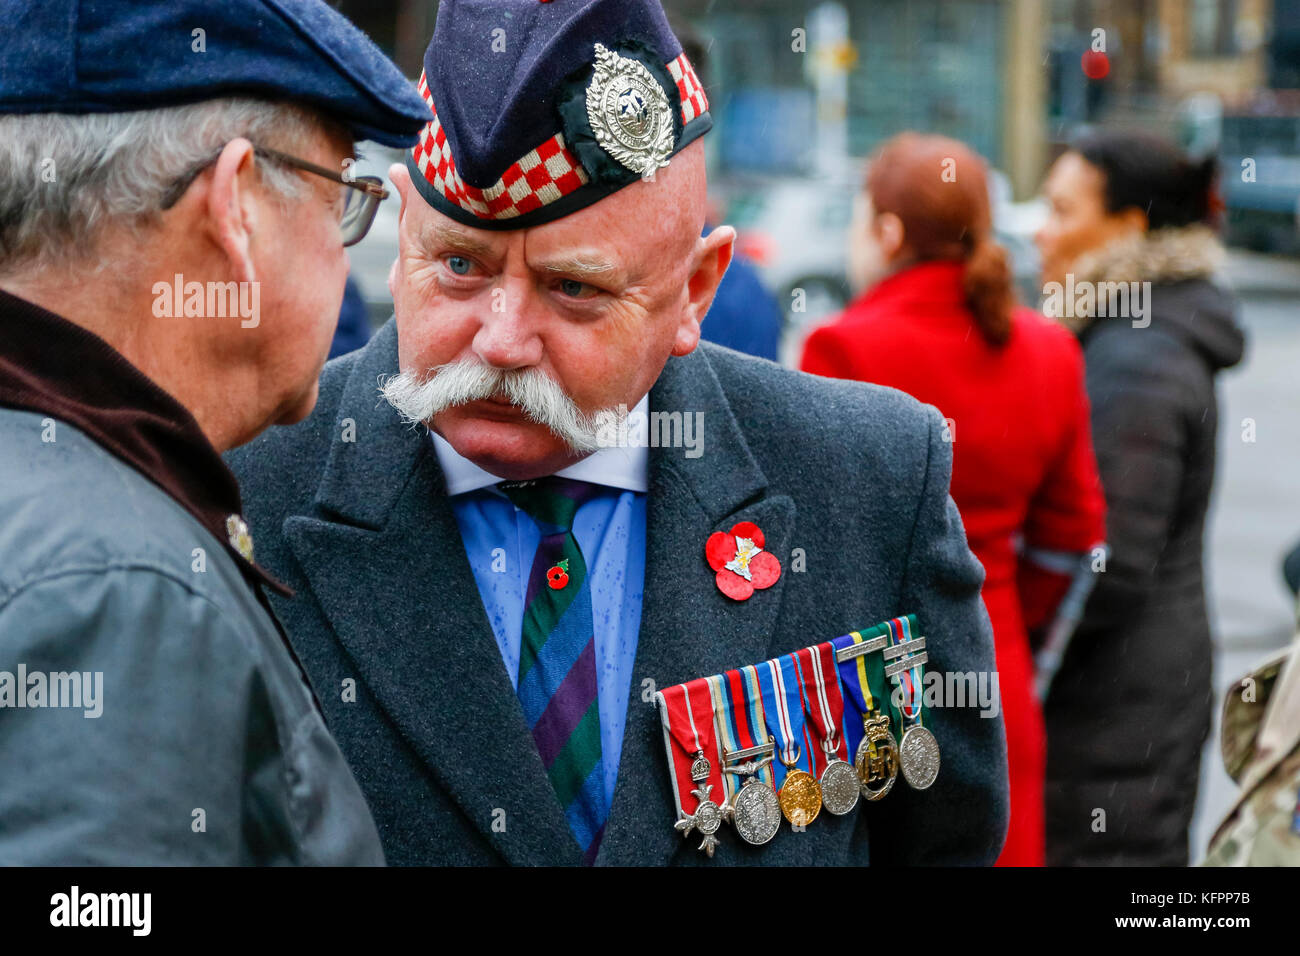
pixel 543 107
pixel 98 56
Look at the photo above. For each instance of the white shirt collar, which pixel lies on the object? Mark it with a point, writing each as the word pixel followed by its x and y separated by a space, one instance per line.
pixel 616 467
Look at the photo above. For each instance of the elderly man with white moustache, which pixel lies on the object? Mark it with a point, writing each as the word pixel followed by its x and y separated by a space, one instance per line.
pixel 489 595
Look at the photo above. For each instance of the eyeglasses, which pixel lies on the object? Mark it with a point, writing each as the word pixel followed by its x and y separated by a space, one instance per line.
pixel 364 195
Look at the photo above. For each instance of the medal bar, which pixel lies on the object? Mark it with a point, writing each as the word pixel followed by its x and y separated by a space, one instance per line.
pixel 858 650
pixel 906 647
pixel 764 749
pixel 906 664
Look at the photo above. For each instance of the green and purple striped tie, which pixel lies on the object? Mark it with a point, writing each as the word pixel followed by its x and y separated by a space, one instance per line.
pixel 557 657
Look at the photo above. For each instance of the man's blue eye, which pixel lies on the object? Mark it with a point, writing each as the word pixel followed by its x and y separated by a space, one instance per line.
pixel 458 264
pixel 572 288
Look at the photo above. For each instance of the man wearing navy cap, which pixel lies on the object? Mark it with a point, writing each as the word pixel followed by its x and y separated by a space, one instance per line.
pixel 173 213
pixel 504 597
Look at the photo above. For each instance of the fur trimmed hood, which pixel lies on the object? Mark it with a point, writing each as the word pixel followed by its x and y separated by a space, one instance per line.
pixel 1165 255
pixel 1170 275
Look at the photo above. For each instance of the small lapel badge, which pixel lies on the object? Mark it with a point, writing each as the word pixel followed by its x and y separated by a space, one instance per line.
pixel 741 565
pixel 240 539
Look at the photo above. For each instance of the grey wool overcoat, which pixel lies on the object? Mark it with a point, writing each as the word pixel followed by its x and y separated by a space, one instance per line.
pixel 350 509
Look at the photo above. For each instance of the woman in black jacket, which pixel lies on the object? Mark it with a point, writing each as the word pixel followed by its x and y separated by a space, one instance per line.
pixel 1129 242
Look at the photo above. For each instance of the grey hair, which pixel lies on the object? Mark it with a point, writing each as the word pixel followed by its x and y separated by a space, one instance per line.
pixel 65 177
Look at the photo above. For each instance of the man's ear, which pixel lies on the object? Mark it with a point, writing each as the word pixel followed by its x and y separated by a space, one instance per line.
pixel 401 180
pixel 400 177
pixel 889 233
pixel 231 207
pixel 715 252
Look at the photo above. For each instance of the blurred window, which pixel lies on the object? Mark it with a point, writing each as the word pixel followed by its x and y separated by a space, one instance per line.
pixel 745 208
pixel 1212 24
pixel 836 211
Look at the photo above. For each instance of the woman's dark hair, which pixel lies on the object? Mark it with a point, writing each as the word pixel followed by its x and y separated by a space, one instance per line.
pixel 1150 173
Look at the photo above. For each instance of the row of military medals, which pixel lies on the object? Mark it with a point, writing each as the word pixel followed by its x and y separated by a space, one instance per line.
pixel 758 717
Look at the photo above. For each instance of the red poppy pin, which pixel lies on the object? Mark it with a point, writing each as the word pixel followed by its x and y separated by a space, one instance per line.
pixel 558 576
pixel 741 564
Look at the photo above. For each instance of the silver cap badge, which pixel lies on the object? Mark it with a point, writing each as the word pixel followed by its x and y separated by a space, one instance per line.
pixel 629 112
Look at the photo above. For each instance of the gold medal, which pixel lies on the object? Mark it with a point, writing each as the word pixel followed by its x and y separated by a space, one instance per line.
pixel 877 758
pixel 800 796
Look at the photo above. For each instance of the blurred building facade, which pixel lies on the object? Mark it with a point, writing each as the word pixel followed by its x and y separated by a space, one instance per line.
pixel 1159 52
pixel 1002 75
pixel 983 81
pixel 802 88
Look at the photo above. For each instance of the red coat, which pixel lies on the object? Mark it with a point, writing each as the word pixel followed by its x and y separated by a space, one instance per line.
pixel 1023 465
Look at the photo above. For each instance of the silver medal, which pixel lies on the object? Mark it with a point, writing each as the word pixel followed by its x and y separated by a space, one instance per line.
pixel 755 807
pixel 839 783
pixel 919 755
pixel 629 112
pixel 708 816
pixel 756 812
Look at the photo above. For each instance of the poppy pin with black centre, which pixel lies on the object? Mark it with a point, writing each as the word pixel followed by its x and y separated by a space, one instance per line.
pixel 558 575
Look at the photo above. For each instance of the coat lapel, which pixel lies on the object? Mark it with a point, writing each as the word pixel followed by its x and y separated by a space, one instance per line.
pixel 390 573
pixel 689 628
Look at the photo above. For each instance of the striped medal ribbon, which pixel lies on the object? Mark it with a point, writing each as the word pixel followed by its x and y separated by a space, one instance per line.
pixel 747 752
pixel 876 756
pixel 686 711
pixel 799 792
pixel 825 705
pixel 905 660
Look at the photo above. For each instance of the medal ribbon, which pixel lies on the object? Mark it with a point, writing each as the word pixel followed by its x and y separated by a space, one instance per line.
pixel 687 714
pixel 738 710
pixel 726 732
pixel 822 701
pixel 857 675
pixel 783 709
pixel 901 630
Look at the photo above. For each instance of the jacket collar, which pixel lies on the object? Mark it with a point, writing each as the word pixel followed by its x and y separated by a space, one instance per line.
pixel 53 366
pixel 426 649
pixel 930 289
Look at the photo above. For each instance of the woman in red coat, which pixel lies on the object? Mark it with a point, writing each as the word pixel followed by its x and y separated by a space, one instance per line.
pixel 939 321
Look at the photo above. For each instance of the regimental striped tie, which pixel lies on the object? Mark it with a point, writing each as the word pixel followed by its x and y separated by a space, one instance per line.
pixel 557 657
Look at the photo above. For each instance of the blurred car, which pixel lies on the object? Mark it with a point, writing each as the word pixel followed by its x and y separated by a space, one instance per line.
pixel 1259 161
pixel 796 230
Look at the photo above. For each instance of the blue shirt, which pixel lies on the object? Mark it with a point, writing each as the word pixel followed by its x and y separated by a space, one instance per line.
pixel 500 541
